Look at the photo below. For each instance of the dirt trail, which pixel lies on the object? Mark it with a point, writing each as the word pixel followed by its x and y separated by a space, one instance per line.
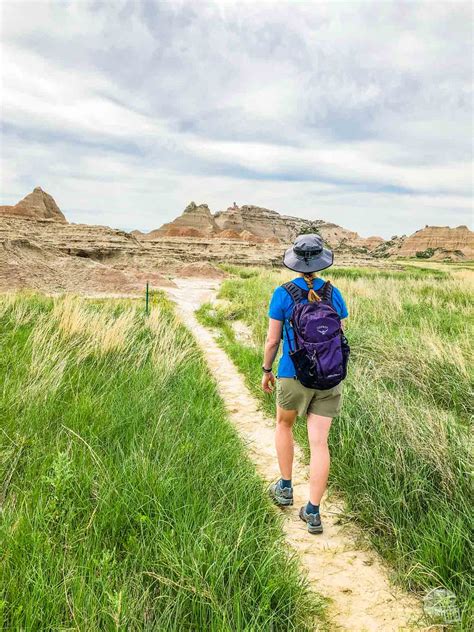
pixel 354 579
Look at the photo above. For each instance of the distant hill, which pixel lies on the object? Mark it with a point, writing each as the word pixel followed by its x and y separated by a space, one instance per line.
pixel 36 205
pixel 257 224
pixel 250 225
pixel 435 242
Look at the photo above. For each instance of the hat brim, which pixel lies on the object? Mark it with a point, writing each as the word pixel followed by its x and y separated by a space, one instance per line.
pixel 321 262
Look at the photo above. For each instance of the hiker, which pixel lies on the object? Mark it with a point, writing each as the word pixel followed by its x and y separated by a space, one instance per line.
pixel 307 314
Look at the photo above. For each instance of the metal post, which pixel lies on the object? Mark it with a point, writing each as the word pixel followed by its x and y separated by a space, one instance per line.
pixel 146 298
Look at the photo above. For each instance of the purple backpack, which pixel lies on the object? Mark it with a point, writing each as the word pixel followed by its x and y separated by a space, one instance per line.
pixel 322 350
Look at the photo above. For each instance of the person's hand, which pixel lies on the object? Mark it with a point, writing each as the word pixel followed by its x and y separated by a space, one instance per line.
pixel 268 382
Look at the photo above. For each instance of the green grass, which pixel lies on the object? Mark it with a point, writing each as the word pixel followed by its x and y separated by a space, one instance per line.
pixel 402 449
pixel 241 271
pixel 407 272
pixel 128 502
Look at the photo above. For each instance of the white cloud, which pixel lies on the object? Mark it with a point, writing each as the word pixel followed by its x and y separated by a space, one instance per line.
pixel 357 113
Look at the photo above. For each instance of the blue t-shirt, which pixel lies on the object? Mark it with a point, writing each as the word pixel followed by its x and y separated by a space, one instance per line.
pixel 281 307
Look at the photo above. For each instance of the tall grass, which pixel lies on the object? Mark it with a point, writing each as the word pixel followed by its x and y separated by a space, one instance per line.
pixel 127 500
pixel 402 448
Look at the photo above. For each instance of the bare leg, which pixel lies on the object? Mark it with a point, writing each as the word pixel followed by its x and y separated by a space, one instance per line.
pixel 318 431
pixel 284 440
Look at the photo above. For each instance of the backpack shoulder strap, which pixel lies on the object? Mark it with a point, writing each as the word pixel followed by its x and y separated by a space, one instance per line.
pixel 325 291
pixel 297 293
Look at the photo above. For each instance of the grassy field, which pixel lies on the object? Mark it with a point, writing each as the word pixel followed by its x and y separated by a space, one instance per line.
pixel 402 450
pixel 127 501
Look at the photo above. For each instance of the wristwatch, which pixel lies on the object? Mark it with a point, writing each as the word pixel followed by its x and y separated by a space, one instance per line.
pixel 266 370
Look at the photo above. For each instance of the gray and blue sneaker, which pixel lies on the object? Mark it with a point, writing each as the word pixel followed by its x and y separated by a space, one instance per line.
pixel 313 520
pixel 282 496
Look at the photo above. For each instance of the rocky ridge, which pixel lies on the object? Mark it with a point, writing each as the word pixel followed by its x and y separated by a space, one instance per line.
pixel 261 223
pixel 36 205
pixel 40 250
pixel 195 221
pixel 38 254
pixel 256 224
pixel 436 242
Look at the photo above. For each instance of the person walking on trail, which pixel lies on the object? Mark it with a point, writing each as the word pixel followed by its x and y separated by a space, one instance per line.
pixel 307 314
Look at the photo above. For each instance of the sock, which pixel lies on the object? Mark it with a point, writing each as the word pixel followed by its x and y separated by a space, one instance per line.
pixel 285 483
pixel 310 508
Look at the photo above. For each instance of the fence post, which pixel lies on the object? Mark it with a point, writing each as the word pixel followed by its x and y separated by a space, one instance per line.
pixel 147 298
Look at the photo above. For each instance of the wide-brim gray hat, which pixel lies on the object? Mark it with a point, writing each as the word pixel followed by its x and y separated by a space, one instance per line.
pixel 308 254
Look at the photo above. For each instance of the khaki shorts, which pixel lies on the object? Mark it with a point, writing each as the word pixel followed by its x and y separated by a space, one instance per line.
pixel 292 395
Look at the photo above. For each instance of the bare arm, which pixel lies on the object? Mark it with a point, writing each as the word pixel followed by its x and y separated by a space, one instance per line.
pixel 271 349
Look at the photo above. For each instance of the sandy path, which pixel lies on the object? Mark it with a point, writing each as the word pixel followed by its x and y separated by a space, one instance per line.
pixel 355 580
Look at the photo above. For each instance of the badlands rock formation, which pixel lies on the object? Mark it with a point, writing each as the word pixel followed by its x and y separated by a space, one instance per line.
pixel 36 205
pixel 40 250
pixel 195 221
pixel 262 223
pixel 437 242
pixel 57 257
pixel 343 239
pixel 256 224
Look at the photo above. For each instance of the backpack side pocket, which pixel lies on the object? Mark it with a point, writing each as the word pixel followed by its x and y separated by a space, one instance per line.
pixel 346 350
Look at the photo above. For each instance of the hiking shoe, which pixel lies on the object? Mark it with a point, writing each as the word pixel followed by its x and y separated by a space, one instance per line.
pixel 313 520
pixel 282 496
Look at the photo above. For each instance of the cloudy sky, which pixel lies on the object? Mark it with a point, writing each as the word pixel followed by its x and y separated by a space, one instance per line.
pixel 359 113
